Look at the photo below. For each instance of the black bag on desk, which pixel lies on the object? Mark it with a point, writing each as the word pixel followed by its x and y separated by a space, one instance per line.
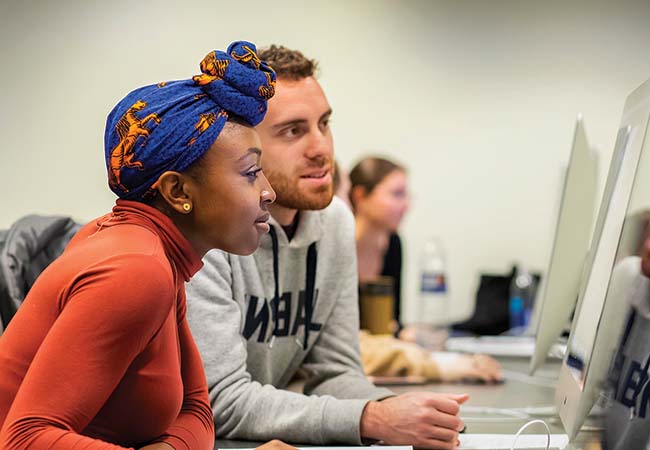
pixel 491 314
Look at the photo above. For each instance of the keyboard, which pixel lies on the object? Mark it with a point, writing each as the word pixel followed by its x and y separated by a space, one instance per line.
pixel 506 346
pixel 505 441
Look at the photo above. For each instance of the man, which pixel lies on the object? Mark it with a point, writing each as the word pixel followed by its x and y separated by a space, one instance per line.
pixel 293 304
pixel 627 421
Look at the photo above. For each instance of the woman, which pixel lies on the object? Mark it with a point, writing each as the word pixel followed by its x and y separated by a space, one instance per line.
pixel 379 199
pixel 99 356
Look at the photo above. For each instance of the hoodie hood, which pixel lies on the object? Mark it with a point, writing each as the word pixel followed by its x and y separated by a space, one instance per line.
pixel 310 230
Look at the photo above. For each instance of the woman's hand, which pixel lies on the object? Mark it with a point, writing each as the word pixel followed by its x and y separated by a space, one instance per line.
pixel 408 334
pixel 470 368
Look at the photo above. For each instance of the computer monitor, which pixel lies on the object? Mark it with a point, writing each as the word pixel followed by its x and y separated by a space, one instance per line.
pixel 601 309
pixel 572 233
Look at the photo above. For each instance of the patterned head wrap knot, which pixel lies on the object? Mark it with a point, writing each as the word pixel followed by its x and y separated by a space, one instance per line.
pixel 169 125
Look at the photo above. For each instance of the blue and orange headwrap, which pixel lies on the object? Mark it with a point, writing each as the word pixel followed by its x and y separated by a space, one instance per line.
pixel 169 125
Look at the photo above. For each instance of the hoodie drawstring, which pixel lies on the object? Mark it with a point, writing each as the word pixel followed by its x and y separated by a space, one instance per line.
pixel 309 288
pixel 276 279
pixel 312 261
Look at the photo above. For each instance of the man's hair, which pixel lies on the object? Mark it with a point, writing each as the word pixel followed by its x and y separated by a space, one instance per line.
pixel 288 64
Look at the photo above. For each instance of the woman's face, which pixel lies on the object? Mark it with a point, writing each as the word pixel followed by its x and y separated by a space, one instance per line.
pixel 231 193
pixel 386 205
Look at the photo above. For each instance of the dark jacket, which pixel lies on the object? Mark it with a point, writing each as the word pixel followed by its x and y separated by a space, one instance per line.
pixel 26 249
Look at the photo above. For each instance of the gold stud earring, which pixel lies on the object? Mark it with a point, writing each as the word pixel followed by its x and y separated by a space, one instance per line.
pixel 187 207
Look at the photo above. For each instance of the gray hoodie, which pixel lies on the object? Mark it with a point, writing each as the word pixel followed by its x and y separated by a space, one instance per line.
pixel 252 345
pixel 627 424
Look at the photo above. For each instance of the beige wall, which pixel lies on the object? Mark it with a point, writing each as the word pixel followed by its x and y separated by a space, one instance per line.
pixel 477 98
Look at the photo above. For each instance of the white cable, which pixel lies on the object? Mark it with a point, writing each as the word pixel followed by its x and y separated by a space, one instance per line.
pixel 548 433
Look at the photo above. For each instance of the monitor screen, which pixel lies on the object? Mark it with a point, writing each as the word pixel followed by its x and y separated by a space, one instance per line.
pixel 605 242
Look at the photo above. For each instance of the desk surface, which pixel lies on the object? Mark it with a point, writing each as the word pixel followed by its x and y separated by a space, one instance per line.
pixel 513 393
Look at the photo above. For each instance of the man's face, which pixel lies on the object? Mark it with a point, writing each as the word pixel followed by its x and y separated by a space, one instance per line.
pixel 297 144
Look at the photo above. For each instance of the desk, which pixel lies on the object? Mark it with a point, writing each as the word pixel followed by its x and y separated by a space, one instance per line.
pixel 511 394
pixel 514 394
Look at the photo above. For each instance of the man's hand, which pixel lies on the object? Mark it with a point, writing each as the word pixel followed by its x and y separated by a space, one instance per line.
pixel 275 445
pixel 421 419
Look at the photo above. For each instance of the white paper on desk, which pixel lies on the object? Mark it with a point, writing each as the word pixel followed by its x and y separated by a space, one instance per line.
pixel 505 441
pixel 375 447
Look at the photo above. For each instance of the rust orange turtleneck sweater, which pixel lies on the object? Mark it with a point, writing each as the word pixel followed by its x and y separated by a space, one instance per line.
pixel 100 356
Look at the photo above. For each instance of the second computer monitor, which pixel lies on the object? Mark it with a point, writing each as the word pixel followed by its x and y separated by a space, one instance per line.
pixel 572 234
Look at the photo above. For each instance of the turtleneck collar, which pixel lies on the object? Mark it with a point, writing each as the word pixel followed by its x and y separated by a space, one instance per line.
pixel 177 247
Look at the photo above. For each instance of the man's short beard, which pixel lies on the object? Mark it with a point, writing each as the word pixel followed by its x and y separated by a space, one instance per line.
pixel 288 195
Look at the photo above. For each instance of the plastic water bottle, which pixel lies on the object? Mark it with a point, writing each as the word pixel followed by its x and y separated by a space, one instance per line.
pixel 520 306
pixel 434 295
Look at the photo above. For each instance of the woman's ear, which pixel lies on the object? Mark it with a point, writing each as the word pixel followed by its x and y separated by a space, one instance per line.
pixel 176 190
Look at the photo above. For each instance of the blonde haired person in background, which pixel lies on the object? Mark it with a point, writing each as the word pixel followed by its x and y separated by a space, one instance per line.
pixel 379 198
